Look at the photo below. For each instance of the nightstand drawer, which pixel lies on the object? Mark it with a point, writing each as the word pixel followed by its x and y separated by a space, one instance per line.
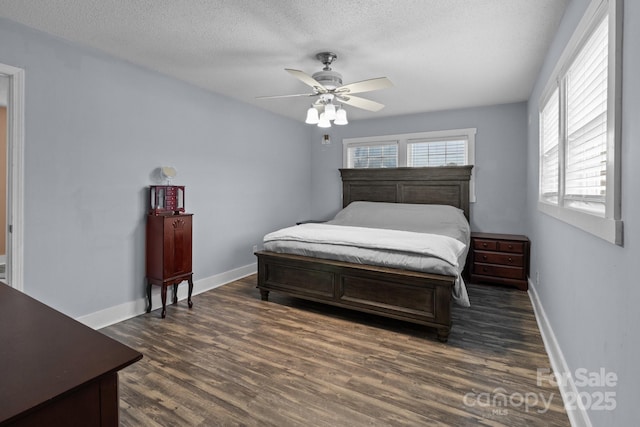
pixel 487 245
pixel 499 271
pixel 498 258
pixel 514 247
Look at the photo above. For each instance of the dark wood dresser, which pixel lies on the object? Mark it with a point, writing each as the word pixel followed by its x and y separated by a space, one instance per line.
pixel 55 371
pixel 500 258
pixel 169 255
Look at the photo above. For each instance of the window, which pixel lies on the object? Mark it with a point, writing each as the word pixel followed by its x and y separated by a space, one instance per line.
pixel 383 155
pixel 579 127
pixel 436 152
pixel 437 148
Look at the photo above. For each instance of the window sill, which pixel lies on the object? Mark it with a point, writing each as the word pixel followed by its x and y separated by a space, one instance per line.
pixel 604 228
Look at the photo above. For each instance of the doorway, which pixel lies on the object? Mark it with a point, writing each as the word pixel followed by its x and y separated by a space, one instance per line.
pixel 4 95
pixel 12 168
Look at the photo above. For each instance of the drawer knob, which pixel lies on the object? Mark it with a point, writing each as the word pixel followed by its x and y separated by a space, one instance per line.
pixel 484 257
pixel 510 259
pixel 510 246
pixel 484 269
pixel 484 245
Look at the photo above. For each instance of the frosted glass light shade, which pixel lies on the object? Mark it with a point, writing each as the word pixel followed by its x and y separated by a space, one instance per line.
pixel 341 117
pixel 330 111
pixel 324 121
pixel 312 116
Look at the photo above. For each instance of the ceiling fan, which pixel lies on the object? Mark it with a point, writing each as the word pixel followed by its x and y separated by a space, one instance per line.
pixel 327 87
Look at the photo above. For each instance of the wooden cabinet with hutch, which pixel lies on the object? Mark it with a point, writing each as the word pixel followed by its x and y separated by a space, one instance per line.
pixel 168 243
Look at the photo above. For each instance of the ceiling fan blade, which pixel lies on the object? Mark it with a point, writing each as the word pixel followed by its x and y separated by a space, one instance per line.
pixel 286 96
pixel 307 79
pixel 365 104
pixel 365 86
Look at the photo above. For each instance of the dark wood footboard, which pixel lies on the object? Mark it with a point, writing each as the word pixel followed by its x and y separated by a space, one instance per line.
pixel 406 295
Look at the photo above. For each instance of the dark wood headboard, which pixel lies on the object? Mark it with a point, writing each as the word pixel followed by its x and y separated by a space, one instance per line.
pixel 446 185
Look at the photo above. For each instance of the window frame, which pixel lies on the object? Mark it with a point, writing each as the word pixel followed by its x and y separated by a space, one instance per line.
pixel 402 140
pixel 610 226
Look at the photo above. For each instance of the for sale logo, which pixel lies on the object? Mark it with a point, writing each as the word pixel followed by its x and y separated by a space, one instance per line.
pixel 597 392
pixel 597 388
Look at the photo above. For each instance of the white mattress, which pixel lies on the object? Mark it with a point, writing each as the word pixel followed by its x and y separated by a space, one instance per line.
pixel 427 238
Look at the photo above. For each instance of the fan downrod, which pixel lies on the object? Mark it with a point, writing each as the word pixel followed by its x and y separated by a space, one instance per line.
pixel 326 58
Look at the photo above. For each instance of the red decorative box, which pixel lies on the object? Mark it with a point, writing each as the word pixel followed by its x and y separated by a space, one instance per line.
pixel 166 199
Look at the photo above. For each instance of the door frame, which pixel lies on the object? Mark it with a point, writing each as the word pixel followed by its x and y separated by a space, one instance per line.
pixel 15 176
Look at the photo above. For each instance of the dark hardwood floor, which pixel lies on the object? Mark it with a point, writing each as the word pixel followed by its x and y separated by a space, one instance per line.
pixel 237 360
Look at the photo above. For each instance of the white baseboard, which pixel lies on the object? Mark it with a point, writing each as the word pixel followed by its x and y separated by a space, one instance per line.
pixel 111 315
pixel 578 417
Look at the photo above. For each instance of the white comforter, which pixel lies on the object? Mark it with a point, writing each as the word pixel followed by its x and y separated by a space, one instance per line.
pixel 410 250
pixel 445 248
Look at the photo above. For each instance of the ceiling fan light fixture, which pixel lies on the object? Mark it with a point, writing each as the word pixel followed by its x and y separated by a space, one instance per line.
pixel 341 117
pixel 327 86
pixel 324 121
pixel 312 116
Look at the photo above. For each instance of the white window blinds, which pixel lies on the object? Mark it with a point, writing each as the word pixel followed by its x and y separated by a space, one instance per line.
pixel 374 156
pixel 586 155
pixel 437 152
pixel 550 136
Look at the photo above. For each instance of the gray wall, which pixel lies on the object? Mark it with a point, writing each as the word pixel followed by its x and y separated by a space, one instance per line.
pixel 96 128
pixel 588 287
pixel 499 169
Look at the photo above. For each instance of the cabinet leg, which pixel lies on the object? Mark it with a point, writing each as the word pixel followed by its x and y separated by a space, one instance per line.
pixel 264 295
pixel 175 293
pixel 148 297
pixel 163 296
pixel 190 291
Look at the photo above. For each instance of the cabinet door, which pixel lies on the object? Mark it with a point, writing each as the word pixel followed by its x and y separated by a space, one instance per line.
pixel 177 245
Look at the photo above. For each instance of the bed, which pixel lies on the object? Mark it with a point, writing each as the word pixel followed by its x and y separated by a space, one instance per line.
pixel 407 294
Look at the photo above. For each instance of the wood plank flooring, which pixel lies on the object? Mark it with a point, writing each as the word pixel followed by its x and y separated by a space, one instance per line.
pixel 237 360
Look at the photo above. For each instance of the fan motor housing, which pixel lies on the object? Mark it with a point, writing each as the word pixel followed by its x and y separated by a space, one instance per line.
pixel 328 78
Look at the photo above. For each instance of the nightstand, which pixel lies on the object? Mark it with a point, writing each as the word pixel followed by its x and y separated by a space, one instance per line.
pixel 500 258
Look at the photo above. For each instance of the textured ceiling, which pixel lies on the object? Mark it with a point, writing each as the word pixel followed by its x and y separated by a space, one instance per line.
pixel 440 54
